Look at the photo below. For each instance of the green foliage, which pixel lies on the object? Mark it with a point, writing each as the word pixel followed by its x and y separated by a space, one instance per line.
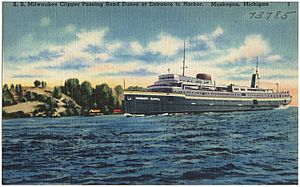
pixel 57 93
pixel 64 113
pixel 23 99
pixel 70 112
pixel 104 97
pixel 106 110
pixel 12 87
pixel 118 90
pixel 19 90
pixel 44 107
pixel 86 95
pixel 72 89
pixel 41 97
pixel 5 87
pixel 37 83
pixel 50 106
pixel 43 84
pixel 94 105
pixel 70 104
pixel 18 114
pixel 77 111
pixel 30 96
pixel 84 111
pixel 7 98
pixel 136 88
pixel 52 102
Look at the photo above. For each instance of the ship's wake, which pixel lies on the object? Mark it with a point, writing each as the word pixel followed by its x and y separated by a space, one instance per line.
pixel 282 107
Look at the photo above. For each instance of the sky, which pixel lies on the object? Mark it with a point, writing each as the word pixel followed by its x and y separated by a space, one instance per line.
pixel 109 44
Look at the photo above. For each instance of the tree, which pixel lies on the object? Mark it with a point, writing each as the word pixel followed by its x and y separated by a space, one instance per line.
pixel 43 84
pixel 30 96
pixel 37 83
pixel 118 90
pixel 51 104
pixel 23 99
pixel 12 87
pixel 5 87
pixel 19 90
pixel 72 89
pixel 7 98
pixel 105 109
pixel 86 95
pixel 103 96
pixel 56 93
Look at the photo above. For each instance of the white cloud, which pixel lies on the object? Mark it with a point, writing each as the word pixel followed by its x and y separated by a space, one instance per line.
pixel 92 37
pixel 254 45
pixel 45 21
pixel 136 47
pixel 69 28
pixel 273 58
pixel 103 56
pixel 218 32
pixel 165 44
pixel 114 46
pixel 209 39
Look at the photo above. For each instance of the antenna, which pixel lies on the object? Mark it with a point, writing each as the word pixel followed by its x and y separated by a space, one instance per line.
pixel 123 84
pixel 257 75
pixel 257 65
pixel 183 67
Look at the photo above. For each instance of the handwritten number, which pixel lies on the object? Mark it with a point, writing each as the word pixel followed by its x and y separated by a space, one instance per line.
pixel 259 15
pixel 252 14
pixel 269 15
pixel 284 16
pixel 277 14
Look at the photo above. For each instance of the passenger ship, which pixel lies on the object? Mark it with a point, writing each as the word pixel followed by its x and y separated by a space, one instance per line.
pixel 174 93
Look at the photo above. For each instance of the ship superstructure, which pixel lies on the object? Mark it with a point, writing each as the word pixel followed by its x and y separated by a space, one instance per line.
pixel 174 93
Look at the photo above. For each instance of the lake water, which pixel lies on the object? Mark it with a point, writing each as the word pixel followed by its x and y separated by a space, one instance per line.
pixel 258 147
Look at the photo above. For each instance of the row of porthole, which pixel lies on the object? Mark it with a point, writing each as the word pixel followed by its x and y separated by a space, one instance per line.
pixel 232 94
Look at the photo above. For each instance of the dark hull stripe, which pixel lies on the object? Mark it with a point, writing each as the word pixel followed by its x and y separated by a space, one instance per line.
pixel 144 104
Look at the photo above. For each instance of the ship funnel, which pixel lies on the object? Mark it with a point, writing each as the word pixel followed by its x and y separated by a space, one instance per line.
pixel 255 77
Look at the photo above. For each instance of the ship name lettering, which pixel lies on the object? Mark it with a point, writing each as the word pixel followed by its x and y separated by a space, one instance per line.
pixel 142 98
pixel 154 99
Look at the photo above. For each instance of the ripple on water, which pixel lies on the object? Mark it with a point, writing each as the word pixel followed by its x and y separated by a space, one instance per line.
pixel 258 147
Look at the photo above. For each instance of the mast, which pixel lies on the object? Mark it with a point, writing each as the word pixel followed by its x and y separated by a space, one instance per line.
pixel 257 75
pixel 183 67
pixel 123 84
pixel 256 65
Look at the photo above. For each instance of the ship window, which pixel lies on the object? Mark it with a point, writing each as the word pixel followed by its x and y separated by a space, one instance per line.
pixel 236 89
pixel 243 94
pixel 243 89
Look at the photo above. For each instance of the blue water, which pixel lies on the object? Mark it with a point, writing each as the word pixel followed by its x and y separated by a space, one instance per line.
pixel 258 147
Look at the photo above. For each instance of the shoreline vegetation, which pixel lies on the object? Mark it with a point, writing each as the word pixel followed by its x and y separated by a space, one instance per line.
pixel 71 99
